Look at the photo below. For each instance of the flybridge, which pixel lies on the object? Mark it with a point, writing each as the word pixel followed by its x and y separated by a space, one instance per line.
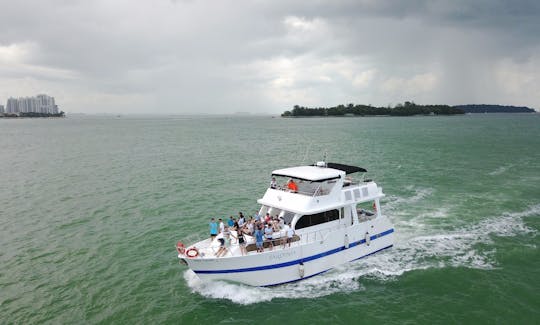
pixel 318 172
pixel 319 187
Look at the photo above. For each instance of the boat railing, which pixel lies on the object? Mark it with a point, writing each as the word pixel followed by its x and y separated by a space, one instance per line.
pixel 350 182
pixel 304 190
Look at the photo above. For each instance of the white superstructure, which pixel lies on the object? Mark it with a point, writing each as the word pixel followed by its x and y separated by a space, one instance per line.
pixel 330 216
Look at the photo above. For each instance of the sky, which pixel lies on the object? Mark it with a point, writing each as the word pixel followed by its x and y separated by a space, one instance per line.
pixel 264 57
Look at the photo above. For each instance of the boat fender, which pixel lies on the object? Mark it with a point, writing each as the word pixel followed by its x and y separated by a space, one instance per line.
pixel 346 241
pixel 368 238
pixel 301 269
pixel 192 252
pixel 374 207
pixel 180 248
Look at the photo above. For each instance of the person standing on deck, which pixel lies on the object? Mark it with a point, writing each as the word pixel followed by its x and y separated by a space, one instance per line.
pixel 259 239
pixel 250 227
pixel 241 241
pixel 221 226
pixel 213 229
pixel 241 219
pixel 286 231
pixel 268 233
pixel 290 234
pixel 273 183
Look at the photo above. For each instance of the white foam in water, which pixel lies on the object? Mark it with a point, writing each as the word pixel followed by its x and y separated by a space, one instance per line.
pixel 416 248
pixel 458 248
pixel 334 281
pixel 394 202
pixel 500 170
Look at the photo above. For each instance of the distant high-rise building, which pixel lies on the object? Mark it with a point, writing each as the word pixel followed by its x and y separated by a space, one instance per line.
pixel 2 109
pixel 39 104
pixel 12 105
pixel 23 104
pixel 46 104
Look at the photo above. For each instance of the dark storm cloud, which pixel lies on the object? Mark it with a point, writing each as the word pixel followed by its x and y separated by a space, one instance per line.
pixel 227 56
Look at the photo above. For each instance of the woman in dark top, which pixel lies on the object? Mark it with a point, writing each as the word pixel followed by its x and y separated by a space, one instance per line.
pixel 241 241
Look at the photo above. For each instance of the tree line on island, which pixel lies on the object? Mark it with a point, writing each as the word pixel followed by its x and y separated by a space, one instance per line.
pixel 405 109
pixel 33 114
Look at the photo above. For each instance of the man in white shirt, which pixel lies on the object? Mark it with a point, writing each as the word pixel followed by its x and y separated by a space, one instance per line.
pixel 221 226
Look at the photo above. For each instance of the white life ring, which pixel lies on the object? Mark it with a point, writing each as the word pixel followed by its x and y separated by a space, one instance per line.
pixel 368 238
pixel 192 252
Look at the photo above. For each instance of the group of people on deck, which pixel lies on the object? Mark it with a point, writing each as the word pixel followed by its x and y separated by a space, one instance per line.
pixel 272 230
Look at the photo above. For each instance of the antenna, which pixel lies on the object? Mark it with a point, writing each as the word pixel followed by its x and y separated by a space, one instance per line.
pixel 322 163
pixel 307 150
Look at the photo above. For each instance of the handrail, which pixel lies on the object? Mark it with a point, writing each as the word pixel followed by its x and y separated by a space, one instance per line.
pixel 315 192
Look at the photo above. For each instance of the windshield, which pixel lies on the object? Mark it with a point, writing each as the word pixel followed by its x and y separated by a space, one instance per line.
pixel 278 213
pixel 311 188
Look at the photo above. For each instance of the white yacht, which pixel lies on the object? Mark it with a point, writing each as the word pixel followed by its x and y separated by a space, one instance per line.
pixel 335 219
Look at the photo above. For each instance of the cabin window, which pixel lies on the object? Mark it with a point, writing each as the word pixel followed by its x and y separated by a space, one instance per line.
pixel 316 219
pixel 364 191
pixel 287 216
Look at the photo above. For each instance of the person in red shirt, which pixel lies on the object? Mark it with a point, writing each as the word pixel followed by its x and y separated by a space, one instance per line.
pixel 291 185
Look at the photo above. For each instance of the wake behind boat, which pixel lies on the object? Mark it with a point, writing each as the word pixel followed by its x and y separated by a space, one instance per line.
pixel 323 223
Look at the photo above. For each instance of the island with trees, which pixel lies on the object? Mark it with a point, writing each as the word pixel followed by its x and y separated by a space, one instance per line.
pixel 483 108
pixel 405 109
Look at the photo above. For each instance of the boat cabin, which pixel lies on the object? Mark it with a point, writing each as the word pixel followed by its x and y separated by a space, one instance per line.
pixel 324 197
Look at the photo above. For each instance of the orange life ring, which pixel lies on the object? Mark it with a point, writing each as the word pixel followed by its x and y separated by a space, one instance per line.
pixel 180 247
pixel 192 252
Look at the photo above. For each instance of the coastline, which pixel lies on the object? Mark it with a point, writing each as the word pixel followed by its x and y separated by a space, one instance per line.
pixel 32 115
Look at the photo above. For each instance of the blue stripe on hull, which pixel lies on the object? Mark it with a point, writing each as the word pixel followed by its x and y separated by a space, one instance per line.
pixel 306 259
pixel 307 277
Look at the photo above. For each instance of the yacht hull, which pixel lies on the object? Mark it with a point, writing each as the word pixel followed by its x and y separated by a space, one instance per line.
pixel 300 261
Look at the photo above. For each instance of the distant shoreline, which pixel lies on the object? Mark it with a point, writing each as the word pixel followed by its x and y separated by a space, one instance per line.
pixel 405 109
pixel 32 115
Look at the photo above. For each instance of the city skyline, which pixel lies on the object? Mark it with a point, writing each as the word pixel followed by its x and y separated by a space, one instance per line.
pixel 184 57
pixel 40 103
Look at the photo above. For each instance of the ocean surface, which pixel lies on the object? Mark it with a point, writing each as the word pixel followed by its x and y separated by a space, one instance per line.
pixel 91 209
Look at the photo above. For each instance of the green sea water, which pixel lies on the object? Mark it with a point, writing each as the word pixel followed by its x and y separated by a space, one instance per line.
pixel 91 208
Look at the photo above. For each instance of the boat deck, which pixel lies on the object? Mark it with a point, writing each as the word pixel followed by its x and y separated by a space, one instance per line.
pixel 270 243
pixel 209 249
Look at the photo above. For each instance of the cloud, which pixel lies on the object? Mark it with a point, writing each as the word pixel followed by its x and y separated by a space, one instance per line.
pixel 16 53
pixel 518 79
pixel 223 57
pixel 15 61
pixel 364 78
pixel 410 87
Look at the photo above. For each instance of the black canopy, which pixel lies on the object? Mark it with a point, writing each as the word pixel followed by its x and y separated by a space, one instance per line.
pixel 346 168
